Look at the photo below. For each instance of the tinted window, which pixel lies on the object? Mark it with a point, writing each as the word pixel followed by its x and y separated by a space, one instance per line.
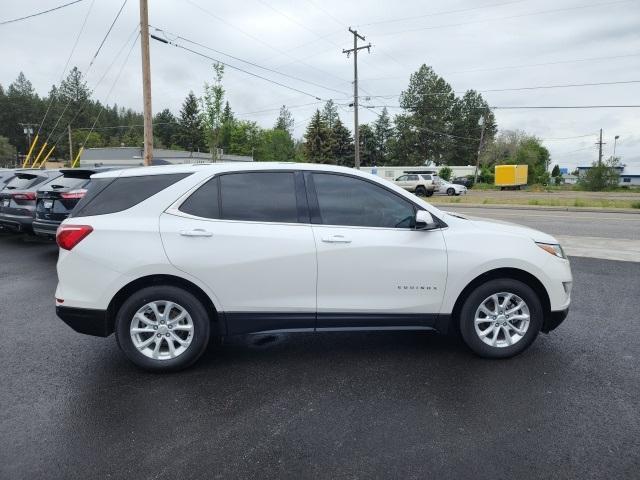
pixel 204 201
pixel 259 197
pixel 403 178
pixel 110 195
pixel 413 178
pixel 64 183
pixel 351 201
pixel 24 181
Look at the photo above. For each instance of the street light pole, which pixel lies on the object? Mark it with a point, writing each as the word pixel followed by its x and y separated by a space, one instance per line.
pixel 615 141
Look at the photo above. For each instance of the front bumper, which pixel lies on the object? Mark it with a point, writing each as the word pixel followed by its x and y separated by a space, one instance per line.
pixel 86 320
pixel 554 319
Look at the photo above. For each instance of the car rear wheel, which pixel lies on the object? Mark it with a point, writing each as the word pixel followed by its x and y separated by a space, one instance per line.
pixel 421 191
pixel 501 318
pixel 162 328
pixel 451 192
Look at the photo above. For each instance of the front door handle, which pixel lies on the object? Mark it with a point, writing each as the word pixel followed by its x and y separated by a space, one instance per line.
pixel 336 239
pixel 196 232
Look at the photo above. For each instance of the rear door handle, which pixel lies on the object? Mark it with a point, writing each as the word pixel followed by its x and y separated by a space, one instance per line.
pixel 336 239
pixel 196 232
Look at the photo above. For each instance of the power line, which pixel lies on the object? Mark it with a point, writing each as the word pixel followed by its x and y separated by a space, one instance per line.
pixel 37 14
pixel 108 32
pixel 516 89
pixel 86 100
pixel 435 14
pixel 275 82
pixel 509 17
pixel 261 41
pixel 492 107
pixel 104 39
pixel 109 92
pixel 66 65
pixel 524 65
pixel 293 77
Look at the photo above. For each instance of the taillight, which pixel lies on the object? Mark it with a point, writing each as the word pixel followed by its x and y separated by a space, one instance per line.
pixel 74 194
pixel 68 236
pixel 24 196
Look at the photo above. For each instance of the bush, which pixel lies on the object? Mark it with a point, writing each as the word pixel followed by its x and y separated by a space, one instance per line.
pixel 600 177
pixel 635 205
pixel 445 173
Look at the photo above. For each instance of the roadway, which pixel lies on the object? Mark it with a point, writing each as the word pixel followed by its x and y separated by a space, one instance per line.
pixel 609 236
pixel 353 405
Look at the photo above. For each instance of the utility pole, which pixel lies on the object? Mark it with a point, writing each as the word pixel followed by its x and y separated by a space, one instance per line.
pixel 70 146
pixel 146 82
pixel 354 50
pixel 483 123
pixel 600 143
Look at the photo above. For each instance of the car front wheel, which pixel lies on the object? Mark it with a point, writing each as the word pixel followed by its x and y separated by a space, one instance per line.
pixel 162 328
pixel 501 318
pixel 451 191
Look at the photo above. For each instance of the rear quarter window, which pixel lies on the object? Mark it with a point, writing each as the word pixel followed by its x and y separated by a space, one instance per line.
pixel 111 195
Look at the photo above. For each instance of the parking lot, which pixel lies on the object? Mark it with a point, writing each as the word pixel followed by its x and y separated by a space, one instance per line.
pixel 357 405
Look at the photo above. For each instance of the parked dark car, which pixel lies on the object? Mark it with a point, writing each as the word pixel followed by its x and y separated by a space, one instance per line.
pixel 56 199
pixel 18 198
pixel 466 181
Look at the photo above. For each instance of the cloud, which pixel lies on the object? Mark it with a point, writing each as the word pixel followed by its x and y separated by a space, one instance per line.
pixel 305 39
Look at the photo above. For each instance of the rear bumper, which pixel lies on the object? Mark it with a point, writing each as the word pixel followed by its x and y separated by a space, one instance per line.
pixel 87 321
pixel 45 228
pixel 17 223
pixel 554 319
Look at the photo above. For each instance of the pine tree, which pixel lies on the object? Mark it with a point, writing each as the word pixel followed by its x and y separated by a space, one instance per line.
pixel 285 120
pixel 383 132
pixel 428 102
pixel 330 114
pixel 343 146
pixel 191 134
pixel 165 127
pixel 228 122
pixel 318 144
pixel 367 145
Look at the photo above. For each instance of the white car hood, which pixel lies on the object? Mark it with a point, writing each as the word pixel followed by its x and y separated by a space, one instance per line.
pixel 510 228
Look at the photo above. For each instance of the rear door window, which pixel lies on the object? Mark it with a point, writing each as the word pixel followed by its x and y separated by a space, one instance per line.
pixel 259 197
pixel 115 194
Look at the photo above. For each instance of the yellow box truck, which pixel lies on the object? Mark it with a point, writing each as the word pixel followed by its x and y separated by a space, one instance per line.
pixel 511 176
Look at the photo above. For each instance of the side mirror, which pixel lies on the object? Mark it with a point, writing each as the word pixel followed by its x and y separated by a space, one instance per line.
pixel 425 221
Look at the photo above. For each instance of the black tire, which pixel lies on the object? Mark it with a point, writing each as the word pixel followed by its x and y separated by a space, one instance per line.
pixel 421 191
pixel 429 193
pixel 451 192
pixel 473 301
pixel 197 312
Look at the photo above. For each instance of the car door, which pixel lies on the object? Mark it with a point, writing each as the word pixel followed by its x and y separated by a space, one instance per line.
pixel 246 235
pixel 374 268
pixel 403 182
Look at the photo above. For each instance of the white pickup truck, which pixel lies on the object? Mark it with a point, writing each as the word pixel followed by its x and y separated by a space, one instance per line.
pixel 422 184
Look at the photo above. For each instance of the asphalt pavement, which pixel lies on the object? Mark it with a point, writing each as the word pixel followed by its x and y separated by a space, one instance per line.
pixel 604 235
pixel 350 405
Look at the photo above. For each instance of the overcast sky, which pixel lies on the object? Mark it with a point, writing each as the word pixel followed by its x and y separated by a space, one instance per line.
pixel 484 45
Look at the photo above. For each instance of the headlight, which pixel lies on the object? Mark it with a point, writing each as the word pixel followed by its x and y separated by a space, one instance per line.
pixel 552 248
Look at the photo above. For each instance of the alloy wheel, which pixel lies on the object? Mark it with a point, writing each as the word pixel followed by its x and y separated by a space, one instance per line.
pixel 502 319
pixel 161 330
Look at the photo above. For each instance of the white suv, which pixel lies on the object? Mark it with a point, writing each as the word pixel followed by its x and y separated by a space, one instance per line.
pixel 168 256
